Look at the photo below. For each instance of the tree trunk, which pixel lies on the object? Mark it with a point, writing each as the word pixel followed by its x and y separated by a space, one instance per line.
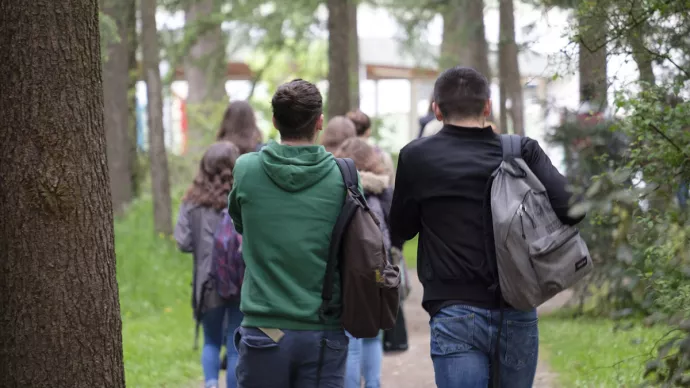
pixel 160 181
pixel 640 54
pixel 134 76
pixel 338 58
pixel 464 41
pixel 509 69
pixel 205 66
pixel 592 60
pixel 115 93
pixel 354 54
pixel 60 316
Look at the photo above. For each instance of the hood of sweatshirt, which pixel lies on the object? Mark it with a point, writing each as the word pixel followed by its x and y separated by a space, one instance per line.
pixel 374 183
pixel 296 168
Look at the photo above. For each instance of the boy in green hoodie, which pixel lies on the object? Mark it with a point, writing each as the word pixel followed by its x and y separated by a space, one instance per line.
pixel 285 201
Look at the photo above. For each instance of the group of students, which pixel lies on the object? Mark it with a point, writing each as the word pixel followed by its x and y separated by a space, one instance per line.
pixel 284 201
pixel 202 211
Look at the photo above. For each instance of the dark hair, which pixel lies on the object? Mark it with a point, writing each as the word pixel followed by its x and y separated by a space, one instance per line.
pixel 297 106
pixel 214 179
pixel 364 155
pixel 361 121
pixel 461 92
pixel 239 126
pixel 339 129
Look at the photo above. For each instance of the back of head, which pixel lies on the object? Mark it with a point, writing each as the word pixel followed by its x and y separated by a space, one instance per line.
pixel 214 179
pixel 461 93
pixel 363 154
pixel 339 129
pixel 239 126
pixel 297 107
pixel 361 121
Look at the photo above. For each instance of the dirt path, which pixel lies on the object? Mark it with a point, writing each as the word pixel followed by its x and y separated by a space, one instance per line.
pixel 413 369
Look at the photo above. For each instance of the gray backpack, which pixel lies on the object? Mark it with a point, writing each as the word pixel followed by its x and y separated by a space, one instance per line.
pixel 537 255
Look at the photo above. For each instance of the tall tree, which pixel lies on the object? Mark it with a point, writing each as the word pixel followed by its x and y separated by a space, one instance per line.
pixel 592 57
pixel 354 54
pixel 338 58
pixel 464 40
pixel 205 65
pixel 160 180
pixel 115 97
pixel 510 83
pixel 134 76
pixel 60 322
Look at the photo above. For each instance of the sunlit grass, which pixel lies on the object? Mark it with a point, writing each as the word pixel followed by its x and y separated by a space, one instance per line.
pixel 588 352
pixel 155 294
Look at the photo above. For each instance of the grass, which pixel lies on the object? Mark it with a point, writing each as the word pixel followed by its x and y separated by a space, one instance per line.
pixel 154 282
pixel 588 352
pixel 410 252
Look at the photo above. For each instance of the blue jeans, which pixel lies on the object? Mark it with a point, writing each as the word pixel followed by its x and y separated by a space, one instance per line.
pixel 364 358
pixel 463 339
pixel 294 361
pixel 214 335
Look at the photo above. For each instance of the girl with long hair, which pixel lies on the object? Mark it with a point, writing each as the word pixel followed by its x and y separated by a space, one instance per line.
pixel 239 127
pixel 200 214
pixel 365 355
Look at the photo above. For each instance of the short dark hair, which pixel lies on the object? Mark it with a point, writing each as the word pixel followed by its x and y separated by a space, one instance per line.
pixel 461 92
pixel 297 105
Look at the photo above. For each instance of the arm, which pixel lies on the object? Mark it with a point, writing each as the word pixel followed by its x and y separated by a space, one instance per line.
pixel 553 181
pixel 234 208
pixel 404 215
pixel 183 231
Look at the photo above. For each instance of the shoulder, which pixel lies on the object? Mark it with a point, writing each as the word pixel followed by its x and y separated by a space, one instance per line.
pixel 245 163
pixel 531 150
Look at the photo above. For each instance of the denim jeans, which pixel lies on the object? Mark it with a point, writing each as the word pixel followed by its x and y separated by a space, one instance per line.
pixel 463 340
pixel 364 359
pixel 292 362
pixel 214 335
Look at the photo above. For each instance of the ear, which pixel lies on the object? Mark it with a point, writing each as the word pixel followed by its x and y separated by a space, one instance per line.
pixel 437 111
pixel 319 123
pixel 487 108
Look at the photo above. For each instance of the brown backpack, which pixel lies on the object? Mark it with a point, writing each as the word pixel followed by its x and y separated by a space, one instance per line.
pixel 370 284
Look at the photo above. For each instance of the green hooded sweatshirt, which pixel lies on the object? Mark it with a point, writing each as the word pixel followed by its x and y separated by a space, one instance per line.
pixel 285 201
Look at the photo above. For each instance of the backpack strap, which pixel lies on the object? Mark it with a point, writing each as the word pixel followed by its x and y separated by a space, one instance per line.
pixel 350 179
pixel 511 146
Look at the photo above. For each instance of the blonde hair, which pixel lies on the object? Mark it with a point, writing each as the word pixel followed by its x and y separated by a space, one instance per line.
pixel 338 129
pixel 364 155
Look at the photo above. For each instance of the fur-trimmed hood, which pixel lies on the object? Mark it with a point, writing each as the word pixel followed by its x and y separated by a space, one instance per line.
pixel 374 183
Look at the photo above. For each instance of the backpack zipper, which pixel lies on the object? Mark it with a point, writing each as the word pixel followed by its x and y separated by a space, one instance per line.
pixel 531 220
pixel 522 224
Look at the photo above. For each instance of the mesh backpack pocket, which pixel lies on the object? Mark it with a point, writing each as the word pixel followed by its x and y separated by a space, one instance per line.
pixel 227 265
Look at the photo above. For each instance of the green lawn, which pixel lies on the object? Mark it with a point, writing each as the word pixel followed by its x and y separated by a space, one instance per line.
pixel 410 252
pixel 588 352
pixel 157 324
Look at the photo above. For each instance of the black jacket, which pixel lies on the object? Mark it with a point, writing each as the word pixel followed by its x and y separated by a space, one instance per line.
pixel 440 193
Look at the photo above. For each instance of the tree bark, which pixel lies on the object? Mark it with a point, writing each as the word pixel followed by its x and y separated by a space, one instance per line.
pixel 205 66
pixel 134 76
pixel 160 181
pixel 115 96
pixel 60 316
pixel 354 54
pixel 338 58
pixel 464 41
pixel 509 69
pixel 592 60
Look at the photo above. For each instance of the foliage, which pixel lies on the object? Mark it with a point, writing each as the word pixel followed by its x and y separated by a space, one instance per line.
pixel 157 325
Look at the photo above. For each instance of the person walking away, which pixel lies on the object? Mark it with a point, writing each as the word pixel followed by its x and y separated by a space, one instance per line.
pixel 199 215
pixel 442 195
pixel 427 118
pixel 284 202
pixel 365 355
pixel 363 127
pixel 239 127
pixel 338 129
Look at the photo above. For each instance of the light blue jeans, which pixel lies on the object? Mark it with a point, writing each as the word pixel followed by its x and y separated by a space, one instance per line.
pixel 214 337
pixel 364 358
pixel 463 340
